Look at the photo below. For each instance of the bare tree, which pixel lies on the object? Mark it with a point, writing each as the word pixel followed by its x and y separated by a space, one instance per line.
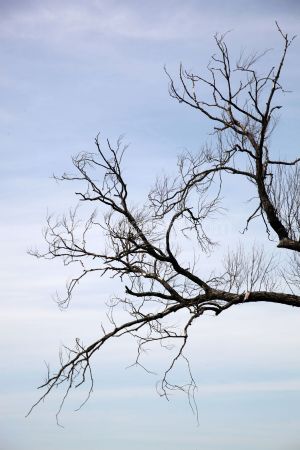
pixel 142 244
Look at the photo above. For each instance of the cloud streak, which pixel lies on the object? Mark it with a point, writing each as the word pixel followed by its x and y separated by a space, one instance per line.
pixel 56 21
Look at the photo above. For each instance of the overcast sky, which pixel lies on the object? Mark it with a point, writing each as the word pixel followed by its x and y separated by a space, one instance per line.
pixel 71 69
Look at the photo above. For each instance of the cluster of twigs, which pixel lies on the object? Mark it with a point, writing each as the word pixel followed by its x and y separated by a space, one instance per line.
pixel 141 249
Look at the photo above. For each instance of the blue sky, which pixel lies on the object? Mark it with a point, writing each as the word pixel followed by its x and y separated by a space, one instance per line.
pixel 69 70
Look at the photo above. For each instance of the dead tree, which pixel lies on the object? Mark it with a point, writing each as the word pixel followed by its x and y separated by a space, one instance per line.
pixel 140 247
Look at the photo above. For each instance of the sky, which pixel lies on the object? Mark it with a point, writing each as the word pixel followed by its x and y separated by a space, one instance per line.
pixel 71 69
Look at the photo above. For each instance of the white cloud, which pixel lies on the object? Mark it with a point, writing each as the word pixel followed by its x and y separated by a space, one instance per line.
pixel 156 22
pixel 239 388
